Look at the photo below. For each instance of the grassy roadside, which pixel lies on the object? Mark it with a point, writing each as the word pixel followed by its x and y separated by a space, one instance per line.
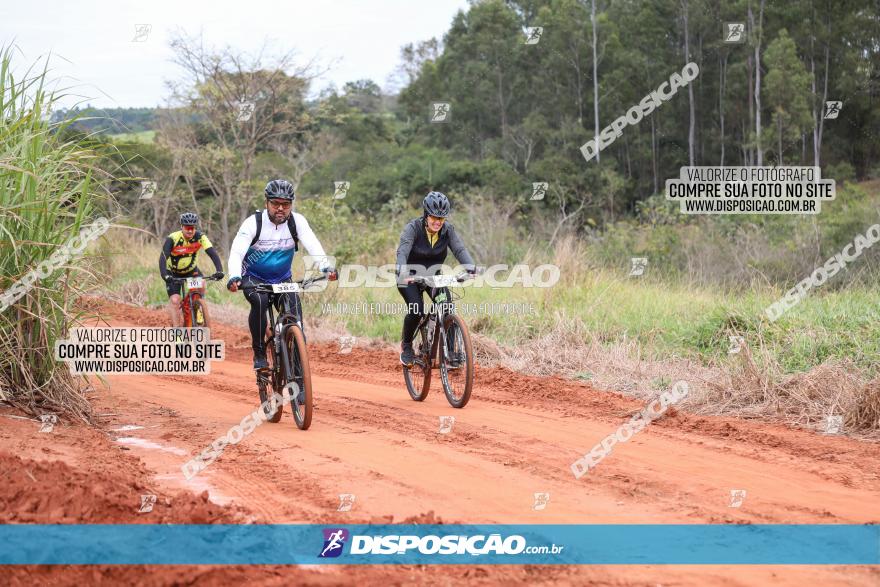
pixel 636 334
pixel 52 205
pixel 667 320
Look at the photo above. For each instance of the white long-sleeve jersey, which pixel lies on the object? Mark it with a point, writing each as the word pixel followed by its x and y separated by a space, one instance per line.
pixel 270 258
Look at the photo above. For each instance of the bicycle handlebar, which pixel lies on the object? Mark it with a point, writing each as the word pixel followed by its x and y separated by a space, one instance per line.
pixel 422 280
pixel 267 287
pixel 206 278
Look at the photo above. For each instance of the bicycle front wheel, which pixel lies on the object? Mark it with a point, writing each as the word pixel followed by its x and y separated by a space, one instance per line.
pixel 266 384
pixel 198 313
pixel 418 377
pixel 456 361
pixel 297 376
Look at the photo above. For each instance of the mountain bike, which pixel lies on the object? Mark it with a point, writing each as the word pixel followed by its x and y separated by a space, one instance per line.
pixel 191 304
pixel 287 356
pixel 441 342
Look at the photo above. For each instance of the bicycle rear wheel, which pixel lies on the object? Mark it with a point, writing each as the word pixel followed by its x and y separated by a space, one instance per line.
pixel 296 371
pixel 456 361
pixel 418 377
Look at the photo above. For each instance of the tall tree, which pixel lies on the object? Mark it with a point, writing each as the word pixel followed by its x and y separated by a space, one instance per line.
pixel 787 91
pixel 231 105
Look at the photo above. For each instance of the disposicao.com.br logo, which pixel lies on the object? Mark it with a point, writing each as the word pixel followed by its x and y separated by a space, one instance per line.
pixel 393 544
pixel 334 542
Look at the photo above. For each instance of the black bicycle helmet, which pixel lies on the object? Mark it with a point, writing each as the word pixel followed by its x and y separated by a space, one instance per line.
pixel 281 189
pixel 189 219
pixel 436 204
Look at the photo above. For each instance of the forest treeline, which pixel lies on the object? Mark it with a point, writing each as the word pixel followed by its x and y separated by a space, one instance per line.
pixel 520 111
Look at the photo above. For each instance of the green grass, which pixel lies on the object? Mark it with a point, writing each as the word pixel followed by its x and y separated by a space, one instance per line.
pixel 144 136
pixel 668 320
pixel 48 193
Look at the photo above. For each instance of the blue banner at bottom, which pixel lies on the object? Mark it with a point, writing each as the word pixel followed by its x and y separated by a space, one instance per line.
pixel 563 544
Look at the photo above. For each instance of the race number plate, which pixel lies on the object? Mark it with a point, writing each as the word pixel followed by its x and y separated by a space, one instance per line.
pixel 444 281
pixel 195 283
pixel 285 287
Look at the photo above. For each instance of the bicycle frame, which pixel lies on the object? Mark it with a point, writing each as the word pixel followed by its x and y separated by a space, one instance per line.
pixel 190 295
pixel 186 305
pixel 286 317
pixel 439 311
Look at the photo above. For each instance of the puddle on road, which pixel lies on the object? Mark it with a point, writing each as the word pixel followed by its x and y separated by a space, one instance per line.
pixel 126 428
pixel 148 444
pixel 197 485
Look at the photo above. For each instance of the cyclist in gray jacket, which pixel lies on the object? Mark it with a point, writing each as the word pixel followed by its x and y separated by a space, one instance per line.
pixel 424 243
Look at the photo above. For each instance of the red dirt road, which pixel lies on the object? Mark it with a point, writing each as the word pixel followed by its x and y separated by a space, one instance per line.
pixel 518 436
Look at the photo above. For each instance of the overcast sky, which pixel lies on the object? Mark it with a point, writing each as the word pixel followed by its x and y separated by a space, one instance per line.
pixel 94 47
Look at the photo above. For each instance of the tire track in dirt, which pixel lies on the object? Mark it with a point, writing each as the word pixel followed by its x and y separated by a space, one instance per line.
pixel 518 436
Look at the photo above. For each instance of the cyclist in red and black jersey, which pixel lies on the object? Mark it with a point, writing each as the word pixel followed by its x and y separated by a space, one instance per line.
pixel 178 259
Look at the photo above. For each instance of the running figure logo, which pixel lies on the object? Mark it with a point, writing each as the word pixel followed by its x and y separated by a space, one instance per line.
pixel 346 343
pixel 734 32
pixel 147 503
pixel 148 189
pixel 48 422
pixel 440 112
pixel 446 424
pixel 141 32
pixel 832 109
pixel 541 501
pixel 245 111
pixel 346 500
pixel 833 424
pixel 340 189
pixel 539 190
pixel 736 344
pixel 638 266
pixel 737 497
pixel 533 34
pixel 334 541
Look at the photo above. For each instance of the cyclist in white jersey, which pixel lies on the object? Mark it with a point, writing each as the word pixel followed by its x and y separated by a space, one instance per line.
pixel 262 252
